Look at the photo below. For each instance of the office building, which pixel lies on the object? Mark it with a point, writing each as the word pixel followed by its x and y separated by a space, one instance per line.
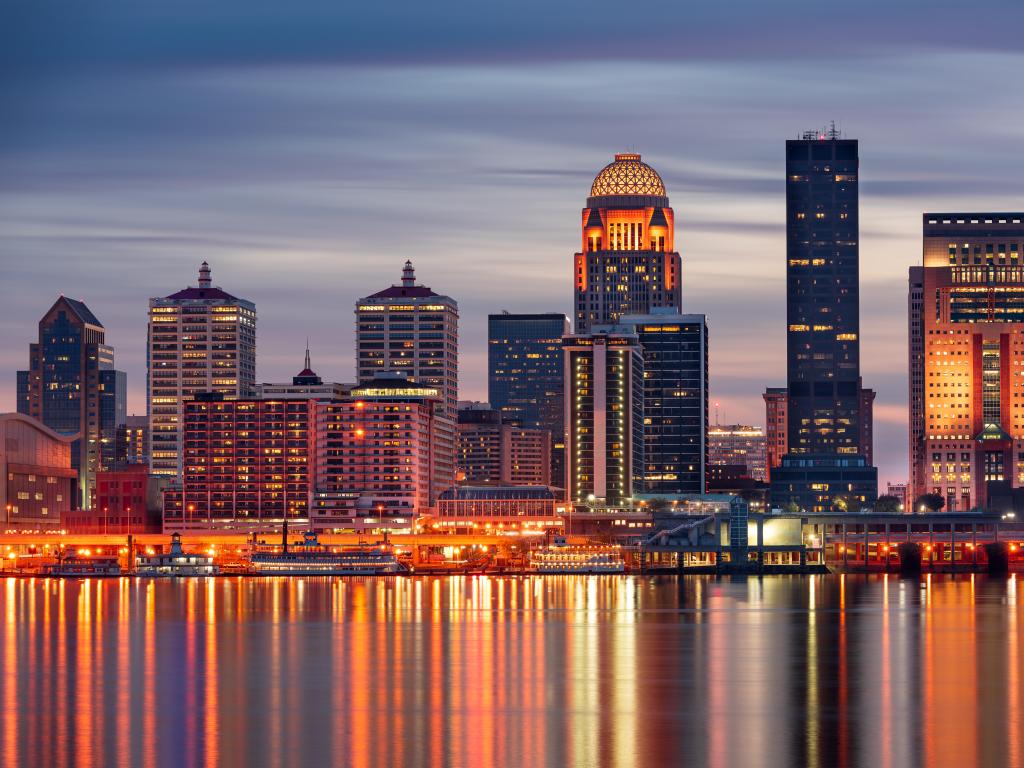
pixel 132 442
pixel 37 481
pixel 493 451
pixel 604 414
pixel 525 375
pixel 737 445
pixel 627 263
pixel 915 351
pixel 675 400
pixel 71 386
pixel 410 330
pixel 381 455
pixel 969 425
pixel 200 339
pixel 247 464
pixel 826 463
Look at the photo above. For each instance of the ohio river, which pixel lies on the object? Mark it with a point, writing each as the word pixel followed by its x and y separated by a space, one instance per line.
pixel 512 671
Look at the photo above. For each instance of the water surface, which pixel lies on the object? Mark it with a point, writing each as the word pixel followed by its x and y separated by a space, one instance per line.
pixel 512 671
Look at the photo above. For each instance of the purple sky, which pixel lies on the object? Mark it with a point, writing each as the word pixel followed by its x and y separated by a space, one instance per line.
pixel 306 151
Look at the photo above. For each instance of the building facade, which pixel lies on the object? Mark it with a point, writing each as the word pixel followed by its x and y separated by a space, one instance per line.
pixel 248 464
pixel 133 442
pixel 915 351
pixel 200 339
pixel 37 482
pixel 381 453
pixel 675 400
pixel 627 263
pixel 489 508
pixel 493 451
pixel 823 329
pixel 71 386
pixel 776 429
pixel 970 423
pixel 604 413
pixel 127 500
pixel 738 445
pixel 525 375
pixel 410 330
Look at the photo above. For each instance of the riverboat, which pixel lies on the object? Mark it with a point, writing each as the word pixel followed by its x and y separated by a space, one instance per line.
pixel 563 557
pixel 176 562
pixel 311 558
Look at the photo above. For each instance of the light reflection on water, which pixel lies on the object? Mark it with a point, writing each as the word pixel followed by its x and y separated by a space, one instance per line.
pixel 528 671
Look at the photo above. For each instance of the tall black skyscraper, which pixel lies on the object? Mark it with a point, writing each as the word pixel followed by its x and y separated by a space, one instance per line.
pixel 524 375
pixel 72 387
pixel 826 460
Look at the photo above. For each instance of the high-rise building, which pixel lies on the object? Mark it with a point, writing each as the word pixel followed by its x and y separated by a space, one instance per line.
pixel 72 388
pixel 380 456
pixel 604 414
pixel 410 330
pixel 675 400
pixel 247 464
pixel 776 428
pixel 970 334
pixel 37 482
pixel 200 339
pixel 627 263
pixel 525 375
pixel 915 350
pixel 826 465
pixel 494 451
pixel 738 445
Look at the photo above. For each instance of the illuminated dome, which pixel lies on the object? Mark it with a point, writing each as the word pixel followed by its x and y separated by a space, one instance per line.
pixel 627 176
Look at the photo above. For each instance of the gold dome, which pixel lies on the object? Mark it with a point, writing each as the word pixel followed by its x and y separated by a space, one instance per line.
pixel 627 176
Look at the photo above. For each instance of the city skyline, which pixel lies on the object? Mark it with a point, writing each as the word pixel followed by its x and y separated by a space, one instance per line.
pixel 155 180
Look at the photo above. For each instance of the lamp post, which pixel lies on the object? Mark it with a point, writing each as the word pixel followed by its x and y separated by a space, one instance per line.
pixel 8 515
pixel 191 512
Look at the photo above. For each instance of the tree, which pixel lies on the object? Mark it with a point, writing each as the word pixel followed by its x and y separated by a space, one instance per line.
pixel 846 502
pixel 888 505
pixel 932 502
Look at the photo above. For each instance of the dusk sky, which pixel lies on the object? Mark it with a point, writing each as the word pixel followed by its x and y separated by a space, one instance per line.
pixel 306 150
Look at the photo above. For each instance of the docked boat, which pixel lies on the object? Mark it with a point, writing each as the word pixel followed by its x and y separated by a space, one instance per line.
pixel 83 564
pixel 562 557
pixel 311 558
pixel 175 562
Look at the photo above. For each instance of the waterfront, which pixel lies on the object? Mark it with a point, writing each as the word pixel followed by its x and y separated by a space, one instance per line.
pixel 518 671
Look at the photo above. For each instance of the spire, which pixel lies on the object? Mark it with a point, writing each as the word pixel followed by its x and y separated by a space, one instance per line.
pixel 408 276
pixel 307 366
pixel 204 275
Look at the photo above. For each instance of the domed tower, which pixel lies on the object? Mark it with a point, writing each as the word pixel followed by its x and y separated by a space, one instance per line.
pixel 628 264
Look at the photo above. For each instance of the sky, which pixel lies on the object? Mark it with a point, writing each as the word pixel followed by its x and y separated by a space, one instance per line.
pixel 307 149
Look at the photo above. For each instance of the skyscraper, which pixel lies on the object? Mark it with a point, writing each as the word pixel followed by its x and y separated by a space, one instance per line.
pixel 967 430
pixel 410 330
pixel 627 263
pixel 71 387
pixel 604 414
pixel 675 400
pixel 200 339
pixel 776 420
pixel 826 465
pixel 915 351
pixel 525 375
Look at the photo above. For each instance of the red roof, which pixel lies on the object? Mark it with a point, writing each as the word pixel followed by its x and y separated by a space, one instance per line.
pixel 203 293
pixel 401 291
